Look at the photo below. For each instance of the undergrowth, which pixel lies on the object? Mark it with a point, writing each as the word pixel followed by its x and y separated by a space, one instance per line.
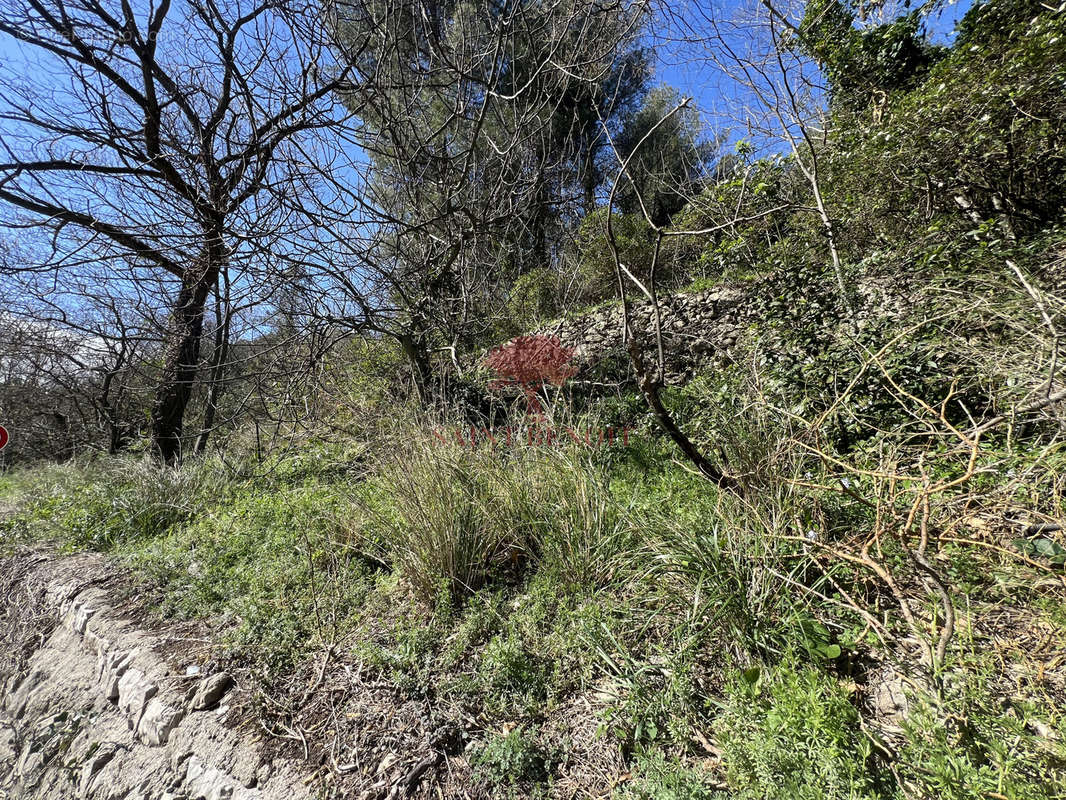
pixel 730 642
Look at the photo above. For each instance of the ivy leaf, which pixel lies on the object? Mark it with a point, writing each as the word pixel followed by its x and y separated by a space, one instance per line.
pixel 1043 548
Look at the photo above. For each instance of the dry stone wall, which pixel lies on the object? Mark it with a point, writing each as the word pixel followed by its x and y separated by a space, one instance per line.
pixel 702 329
pixel 698 328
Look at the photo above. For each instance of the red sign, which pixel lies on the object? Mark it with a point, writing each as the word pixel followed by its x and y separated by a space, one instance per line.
pixel 3 437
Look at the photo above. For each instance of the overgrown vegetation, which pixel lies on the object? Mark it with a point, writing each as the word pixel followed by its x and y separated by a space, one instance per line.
pixel 872 606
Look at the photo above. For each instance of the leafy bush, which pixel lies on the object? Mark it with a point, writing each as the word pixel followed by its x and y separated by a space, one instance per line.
pixel 514 677
pixel 863 62
pixel 983 132
pixel 534 298
pixel 596 271
pixel 792 733
pixel 512 759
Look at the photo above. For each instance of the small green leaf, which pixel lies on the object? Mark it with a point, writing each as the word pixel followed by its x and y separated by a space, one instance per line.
pixel 1042 548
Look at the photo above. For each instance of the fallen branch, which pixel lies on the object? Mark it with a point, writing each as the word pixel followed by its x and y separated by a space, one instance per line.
pixel 1043 402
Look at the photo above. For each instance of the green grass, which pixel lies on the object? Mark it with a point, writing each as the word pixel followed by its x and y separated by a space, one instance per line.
pixel 265 561
pixel 454 518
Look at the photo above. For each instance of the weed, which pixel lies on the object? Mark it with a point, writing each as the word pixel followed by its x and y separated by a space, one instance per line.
pixel 515 678
pixel 967 744
pixel 513 759
pixel 658 777
pixel 792 733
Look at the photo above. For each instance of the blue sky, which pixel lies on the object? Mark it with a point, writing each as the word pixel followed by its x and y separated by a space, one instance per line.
pixel 711 94
pixel 693 77
pixel 690 79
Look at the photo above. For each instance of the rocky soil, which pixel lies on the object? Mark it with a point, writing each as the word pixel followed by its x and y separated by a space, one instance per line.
pixel 94 706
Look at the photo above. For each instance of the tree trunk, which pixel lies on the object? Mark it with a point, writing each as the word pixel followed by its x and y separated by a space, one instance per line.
pixel 109 416
pixel 650 388
pixel 181 353
pixel 541 249
pixel 589 180
pixel 419 360
pixel 218 365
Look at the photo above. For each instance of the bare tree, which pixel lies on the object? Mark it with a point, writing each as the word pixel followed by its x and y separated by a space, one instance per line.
pixel 151 144
pixel 650 376
pixel 755 50
pixel 479 127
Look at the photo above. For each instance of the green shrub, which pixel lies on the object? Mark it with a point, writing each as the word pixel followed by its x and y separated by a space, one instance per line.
pixel 760 190
pixel 792 733
pixel 513 759
pixel 534 298
pixel 14 531
pixel 652 696
pixel 515 678
pixel 985 125
pixel 862 63
pixel 971 743
pixel 596 269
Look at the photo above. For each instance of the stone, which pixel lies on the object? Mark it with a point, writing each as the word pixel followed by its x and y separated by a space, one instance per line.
pixel 263 773
pixel 110 669
pixel 209 691
pixel 66 743
pixel 158 721
pixel 134 692
pixel 79 617
pixel 30 762
pixel 8 745
pixel 92 766
pixel 888 700
pixel 204 782
pixel 98 643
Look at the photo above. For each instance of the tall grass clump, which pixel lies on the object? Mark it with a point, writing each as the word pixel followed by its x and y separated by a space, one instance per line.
pixel 452 518
pixel 739 562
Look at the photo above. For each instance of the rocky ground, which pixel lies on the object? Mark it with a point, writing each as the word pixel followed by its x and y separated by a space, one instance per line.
pixel 95 706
